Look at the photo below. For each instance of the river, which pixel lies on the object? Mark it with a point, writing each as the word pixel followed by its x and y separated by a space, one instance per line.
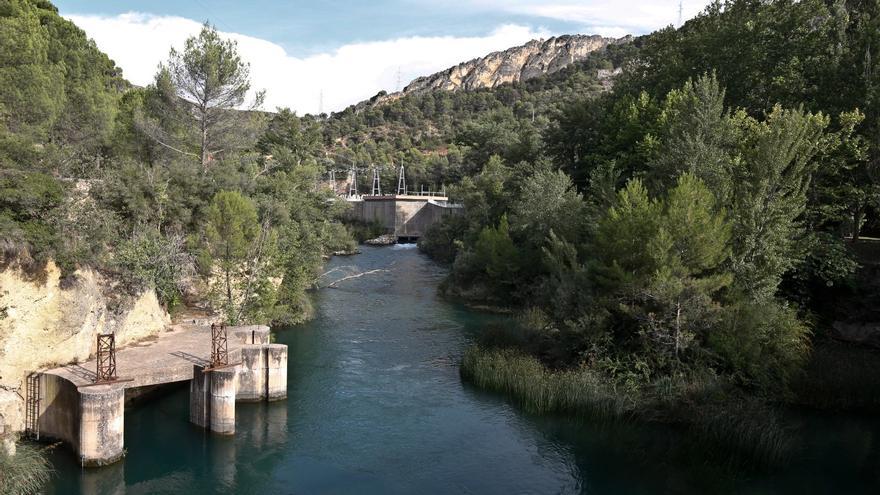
pixel 376 405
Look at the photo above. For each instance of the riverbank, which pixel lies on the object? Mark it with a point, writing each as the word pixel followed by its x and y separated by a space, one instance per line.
pixel 740 429
pixel 377 405
pixel 737 430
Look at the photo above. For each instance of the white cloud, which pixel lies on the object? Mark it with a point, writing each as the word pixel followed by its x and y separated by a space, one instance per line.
pixel 604 17
pixel 351 73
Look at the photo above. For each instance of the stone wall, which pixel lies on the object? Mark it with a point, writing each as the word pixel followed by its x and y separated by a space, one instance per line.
pixel 44 323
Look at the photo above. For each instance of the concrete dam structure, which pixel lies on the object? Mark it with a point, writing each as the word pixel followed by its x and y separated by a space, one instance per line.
pixel 406 217
pixel 76 405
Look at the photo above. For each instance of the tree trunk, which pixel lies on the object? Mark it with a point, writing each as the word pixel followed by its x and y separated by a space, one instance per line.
pixel 228 278
pixel 677 328
pixel 204 148
pixel 858 215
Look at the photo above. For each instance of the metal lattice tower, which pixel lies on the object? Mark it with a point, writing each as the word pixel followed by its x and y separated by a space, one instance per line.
pixel 401 182
pixel 352 183
pixel 377 187
pixel 106 366
pixel 219 348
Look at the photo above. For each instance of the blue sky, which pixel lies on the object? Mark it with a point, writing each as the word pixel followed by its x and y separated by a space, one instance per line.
pixel 349 50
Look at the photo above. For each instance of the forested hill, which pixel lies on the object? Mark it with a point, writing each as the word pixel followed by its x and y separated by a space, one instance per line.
pixel 442 136
pixel 704 217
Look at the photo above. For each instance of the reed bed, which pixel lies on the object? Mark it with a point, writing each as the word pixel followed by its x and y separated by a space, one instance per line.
pixel 24 473
pixel 732 429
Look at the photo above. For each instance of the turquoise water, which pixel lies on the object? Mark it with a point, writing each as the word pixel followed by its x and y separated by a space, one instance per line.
pixel 376 405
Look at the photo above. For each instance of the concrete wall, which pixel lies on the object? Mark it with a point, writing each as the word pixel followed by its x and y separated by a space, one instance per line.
pixel 59 410
pixel 402 217
pixel 199 412
pixel 90 420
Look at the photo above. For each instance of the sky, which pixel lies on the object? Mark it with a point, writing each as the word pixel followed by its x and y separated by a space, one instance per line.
pixel 316 56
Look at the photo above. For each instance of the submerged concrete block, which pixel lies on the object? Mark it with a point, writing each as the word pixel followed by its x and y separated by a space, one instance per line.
pixel 212 398
pixel 101 424
pixel 253 373
pixel 276 364
pixel 222 405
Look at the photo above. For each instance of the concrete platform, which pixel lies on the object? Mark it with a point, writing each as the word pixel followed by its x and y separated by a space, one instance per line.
pixel 91 418
pixel 166 358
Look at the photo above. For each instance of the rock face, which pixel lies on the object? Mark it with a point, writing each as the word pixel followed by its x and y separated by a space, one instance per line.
pixel 43 324
pixel 520 63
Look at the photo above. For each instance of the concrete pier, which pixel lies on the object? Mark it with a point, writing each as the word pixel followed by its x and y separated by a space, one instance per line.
pixel 276 376
pixel 222 398
pixel 91 418
pixel 101 424
pixel 252 376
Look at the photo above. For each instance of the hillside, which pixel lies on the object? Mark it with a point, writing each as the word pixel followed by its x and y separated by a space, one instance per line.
pixel 520 63
pixel 504 100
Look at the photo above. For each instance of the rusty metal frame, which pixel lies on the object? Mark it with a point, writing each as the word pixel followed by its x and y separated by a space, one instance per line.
pixel 106 365
pixel 219 346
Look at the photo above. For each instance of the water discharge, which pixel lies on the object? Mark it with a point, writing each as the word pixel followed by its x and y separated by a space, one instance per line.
pixel 376 405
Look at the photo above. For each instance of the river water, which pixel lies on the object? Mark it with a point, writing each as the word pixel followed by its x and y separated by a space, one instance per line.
pixel 375 405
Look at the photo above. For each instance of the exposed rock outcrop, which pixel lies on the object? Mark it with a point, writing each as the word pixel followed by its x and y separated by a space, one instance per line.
pixel 45 323
pixel 521 63
pixel 382 240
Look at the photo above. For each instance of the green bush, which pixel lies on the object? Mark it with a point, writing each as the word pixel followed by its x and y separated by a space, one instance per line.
pixel 151 260
pixel 762 343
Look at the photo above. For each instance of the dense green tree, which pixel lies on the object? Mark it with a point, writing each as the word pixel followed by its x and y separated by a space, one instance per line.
pixel 210 76
pixel 547 203
pixel 769 188
pixel 231 230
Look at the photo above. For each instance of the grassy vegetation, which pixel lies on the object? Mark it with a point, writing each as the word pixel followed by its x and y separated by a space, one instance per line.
pixel 538 390
pixel 24 473
pixel 363 231
pixel 715 420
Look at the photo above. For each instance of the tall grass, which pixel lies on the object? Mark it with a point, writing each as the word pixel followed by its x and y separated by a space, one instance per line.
pixel 748 430
pixel 25 472
pixel 525 380
pixel 728 428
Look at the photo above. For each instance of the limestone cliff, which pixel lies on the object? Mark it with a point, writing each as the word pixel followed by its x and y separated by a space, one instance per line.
pixel 520 63
pixel 44 323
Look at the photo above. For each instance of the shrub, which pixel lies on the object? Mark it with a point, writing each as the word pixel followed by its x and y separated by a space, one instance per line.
pixel 151 260
pixel 762 343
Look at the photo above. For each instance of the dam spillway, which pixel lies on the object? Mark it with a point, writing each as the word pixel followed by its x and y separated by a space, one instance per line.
pixel 405 216
pixel 68 405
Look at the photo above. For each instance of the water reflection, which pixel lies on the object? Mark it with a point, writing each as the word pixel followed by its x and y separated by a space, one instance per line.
pixel 109 480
